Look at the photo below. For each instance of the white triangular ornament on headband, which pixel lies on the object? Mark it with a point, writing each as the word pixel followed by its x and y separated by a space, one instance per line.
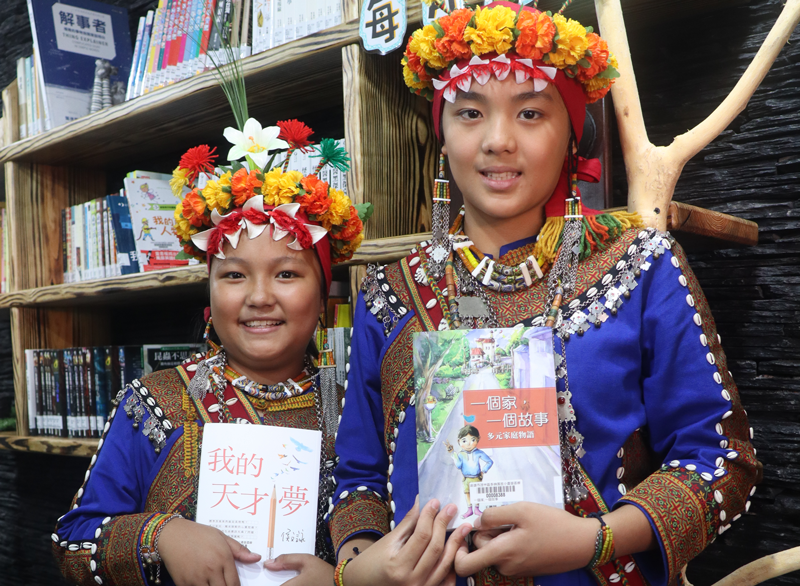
pixel 317 232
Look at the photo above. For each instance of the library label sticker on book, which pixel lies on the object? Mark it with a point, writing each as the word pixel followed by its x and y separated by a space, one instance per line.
pixel 494 494
pixel 487 419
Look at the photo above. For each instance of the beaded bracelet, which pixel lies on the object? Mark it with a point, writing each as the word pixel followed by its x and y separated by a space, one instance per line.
pixel 338 573
pixel 603 545
pixel 150 554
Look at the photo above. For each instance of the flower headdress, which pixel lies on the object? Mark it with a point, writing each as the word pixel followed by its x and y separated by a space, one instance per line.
pixel 506 39
pixel 224 201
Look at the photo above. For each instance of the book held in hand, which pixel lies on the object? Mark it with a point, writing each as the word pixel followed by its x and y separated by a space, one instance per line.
pixel 259 485
pixel 487 419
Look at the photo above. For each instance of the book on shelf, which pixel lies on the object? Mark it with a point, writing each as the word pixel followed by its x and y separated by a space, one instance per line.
pixel 68 37
pixel 152 208
pixel 487 419
pixel 70 390
pixel 259 484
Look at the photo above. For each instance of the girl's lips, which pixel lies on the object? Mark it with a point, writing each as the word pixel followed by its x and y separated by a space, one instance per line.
pixel 261 326
pixel 500 180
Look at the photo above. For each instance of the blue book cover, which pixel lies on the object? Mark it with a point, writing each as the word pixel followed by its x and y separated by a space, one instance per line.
pixel 69 36
pixel 123 232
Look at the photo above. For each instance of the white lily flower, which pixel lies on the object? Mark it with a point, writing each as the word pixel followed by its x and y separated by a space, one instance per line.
pixel 254 141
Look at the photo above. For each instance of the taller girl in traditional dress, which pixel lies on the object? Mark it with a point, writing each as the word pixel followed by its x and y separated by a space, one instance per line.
pixel 655 444
pixel 269 236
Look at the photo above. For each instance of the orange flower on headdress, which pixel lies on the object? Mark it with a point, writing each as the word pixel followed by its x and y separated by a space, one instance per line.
pixel 183 227
pixel 349 248
pixel 339 210
pixel 353 227
pixel 596 88
pixel 194 208
pixel 493 32
pixel 315 201
pixel 243 185
pixel 598 60
pixel 536 31
pixel 452 45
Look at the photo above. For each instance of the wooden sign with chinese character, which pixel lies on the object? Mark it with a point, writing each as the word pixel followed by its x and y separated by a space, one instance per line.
pixel 259 485
pixel 487 419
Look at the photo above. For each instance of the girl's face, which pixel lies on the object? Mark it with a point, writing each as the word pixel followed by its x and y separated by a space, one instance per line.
pixel 506 146
pixel 265 301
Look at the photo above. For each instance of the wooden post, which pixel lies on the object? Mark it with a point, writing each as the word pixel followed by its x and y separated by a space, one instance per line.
pixel 388 135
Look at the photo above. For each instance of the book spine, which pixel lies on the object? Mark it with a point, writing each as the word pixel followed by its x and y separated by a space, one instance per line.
pixel 30 384
pixel 245 40
pixel 97 234
pixel 61 391
pixel 22 113
pixel 141 67
pixel 155 48
pixel 40 80
pixel 38 116
pixel 123 232
pixel 137 55
pixel 208 11
pixel 74 382
pixel 100 393
pixel 173 58
pixel 31 96
pixel 48 392
pixel 64 255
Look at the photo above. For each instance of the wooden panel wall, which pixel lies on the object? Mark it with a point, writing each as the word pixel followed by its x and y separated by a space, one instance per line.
pixel 391 143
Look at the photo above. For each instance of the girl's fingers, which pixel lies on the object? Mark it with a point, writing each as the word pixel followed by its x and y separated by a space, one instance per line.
pixel 443 570
pixel 287 561
pixel 467 563
pixel 436 545
pixel 240 552
pixel 421 537
pixel 406 527
pixel 230 575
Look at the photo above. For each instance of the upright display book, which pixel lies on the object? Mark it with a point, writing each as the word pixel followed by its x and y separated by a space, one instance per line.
pixel 487 419
pixel 259 485
pixel 68 37
pixel 152 208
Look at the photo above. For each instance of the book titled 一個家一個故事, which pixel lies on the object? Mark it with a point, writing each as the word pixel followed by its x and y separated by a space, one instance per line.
pixel 487 419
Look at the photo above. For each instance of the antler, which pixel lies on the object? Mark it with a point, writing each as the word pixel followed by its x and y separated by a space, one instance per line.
pixel 654 171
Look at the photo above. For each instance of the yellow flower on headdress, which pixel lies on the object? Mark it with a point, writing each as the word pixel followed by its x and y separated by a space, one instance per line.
pixel 408 75
pixel 183 227
pixel 346 252
pixel 180 179
pixel 217 198
pixel 279 187
pixel 571 43
pixel 422 43
pixel 493 30
pixel 338 212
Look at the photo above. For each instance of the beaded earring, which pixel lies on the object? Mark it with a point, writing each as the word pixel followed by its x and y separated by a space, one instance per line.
pixel 561 281
pixel 207 332
pixel 440 222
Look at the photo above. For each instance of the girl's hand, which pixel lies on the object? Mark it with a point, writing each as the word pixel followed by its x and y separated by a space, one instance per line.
pixel 313 571
pixel 543 540
pixel 414 554
pixel 196 554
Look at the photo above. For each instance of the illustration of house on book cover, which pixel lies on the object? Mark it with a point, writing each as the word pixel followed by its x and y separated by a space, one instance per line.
pixel 487 419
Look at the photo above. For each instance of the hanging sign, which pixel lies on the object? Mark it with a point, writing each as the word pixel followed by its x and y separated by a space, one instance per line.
pixel 383 25
pixel 431 12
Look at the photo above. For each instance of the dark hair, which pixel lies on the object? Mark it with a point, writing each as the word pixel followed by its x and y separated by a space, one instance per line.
pixel 469 430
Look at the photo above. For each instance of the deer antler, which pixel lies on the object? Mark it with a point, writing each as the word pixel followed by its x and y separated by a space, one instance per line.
pixel 654 171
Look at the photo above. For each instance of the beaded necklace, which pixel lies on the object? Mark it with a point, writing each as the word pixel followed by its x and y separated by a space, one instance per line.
pixel 496 276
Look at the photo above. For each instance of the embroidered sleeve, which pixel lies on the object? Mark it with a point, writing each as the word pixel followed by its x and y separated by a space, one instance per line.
pixel 380 300
pixel 695 420
pixel 358 503
pixel 99 541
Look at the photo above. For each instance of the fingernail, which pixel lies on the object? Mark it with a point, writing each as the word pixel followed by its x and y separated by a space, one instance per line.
pixel 451 510
pixel 434 504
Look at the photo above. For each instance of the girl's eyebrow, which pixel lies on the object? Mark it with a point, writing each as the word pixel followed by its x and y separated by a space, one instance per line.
pixel 472 97
pixel 525 96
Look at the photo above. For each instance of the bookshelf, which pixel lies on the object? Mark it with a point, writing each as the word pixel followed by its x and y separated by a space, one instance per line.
pixel 326 80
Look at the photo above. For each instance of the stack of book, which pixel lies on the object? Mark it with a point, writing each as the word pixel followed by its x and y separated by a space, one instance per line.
pixel 70 391
pixel 30 91
pixel 276 22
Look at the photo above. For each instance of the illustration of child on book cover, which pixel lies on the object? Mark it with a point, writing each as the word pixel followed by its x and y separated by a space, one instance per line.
pixel 487 420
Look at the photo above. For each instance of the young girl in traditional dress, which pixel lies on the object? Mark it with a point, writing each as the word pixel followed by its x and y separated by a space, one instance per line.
pixel 269 239
pixel 654 441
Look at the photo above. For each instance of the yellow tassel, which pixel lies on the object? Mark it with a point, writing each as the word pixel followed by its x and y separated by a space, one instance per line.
pixel 549 237
pixel 629 219
pixel 189 438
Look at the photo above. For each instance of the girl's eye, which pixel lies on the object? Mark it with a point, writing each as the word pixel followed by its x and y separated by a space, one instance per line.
pixel 529 114
pixel 470 114
pixel 234 275
pixel 285 275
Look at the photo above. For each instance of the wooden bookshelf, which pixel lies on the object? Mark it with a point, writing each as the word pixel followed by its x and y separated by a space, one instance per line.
pixel 325 79
pixel 48 445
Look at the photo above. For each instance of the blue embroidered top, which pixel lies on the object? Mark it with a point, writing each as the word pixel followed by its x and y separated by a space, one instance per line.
pixel 663 427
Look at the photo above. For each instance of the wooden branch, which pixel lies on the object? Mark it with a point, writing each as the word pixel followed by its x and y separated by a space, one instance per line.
pixel 763 569
pixel 687 145
pixel 653 171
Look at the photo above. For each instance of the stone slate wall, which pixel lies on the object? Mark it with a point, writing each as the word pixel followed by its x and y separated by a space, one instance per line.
pixel 752 171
